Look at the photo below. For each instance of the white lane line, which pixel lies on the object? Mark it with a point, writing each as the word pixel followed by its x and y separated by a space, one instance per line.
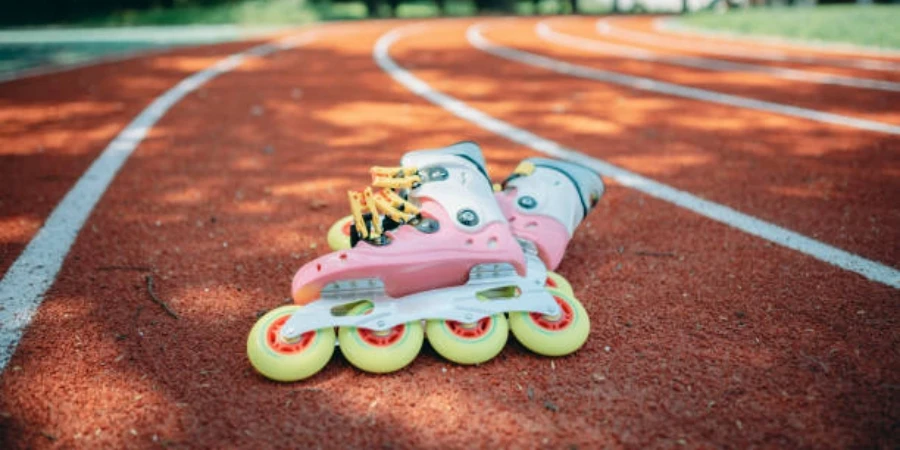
pixel 720 213
pixel 648 84
pixel 671 25
pixel 604 27
pixel 546 32
pixel 23 286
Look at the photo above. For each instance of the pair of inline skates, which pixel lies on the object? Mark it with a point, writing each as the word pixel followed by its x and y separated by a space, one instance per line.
pixel 440 252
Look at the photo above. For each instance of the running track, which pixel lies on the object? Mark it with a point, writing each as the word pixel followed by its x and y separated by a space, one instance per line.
pixel 740 273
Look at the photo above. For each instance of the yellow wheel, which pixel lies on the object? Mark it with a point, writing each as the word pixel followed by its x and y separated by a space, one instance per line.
pixel 339 234
pixel 281 360
pixel 380 351
pixel 468 343
pixel 556 281
pixel 553 335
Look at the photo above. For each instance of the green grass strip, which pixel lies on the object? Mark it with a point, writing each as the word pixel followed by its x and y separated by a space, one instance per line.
pixel 866 25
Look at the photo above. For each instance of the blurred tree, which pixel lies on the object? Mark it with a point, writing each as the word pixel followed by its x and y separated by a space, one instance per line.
pixel 372 7
pixel 34 12
pixel 494 6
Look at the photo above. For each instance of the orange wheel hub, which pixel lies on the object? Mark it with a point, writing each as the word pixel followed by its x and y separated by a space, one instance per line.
pixel 287 348
pixel 382 338
pixel 555 323
pixel 470 331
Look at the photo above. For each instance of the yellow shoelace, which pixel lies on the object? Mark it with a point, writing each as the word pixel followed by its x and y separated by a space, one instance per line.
pixel 385 202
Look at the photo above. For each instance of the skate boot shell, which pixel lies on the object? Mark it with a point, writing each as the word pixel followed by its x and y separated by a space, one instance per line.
pixel 545 200
pixel 459 226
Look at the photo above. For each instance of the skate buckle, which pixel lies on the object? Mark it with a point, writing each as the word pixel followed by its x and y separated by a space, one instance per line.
pixel 425 225
pixel 467 217
pixel 527 202
pixel 436 173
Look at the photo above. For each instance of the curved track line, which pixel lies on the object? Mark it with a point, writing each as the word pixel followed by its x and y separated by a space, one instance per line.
pixel 667 25
pixel 603 27
pixel 648 84
pixel 545 32
pixel 23 286
pixel 870 269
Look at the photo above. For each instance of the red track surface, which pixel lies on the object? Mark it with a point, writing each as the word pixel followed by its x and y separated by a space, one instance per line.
pixel 702 335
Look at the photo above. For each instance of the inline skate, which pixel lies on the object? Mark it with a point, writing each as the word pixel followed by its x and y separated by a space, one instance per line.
pixel 433 246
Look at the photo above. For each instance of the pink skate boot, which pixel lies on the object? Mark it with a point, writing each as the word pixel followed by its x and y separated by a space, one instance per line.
pixel 544 200
pixel 450 231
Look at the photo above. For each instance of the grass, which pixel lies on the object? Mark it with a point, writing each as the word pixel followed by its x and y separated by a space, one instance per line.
pixel 868 25
pixel 426 8
pixel 291 12
pixel 252 12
